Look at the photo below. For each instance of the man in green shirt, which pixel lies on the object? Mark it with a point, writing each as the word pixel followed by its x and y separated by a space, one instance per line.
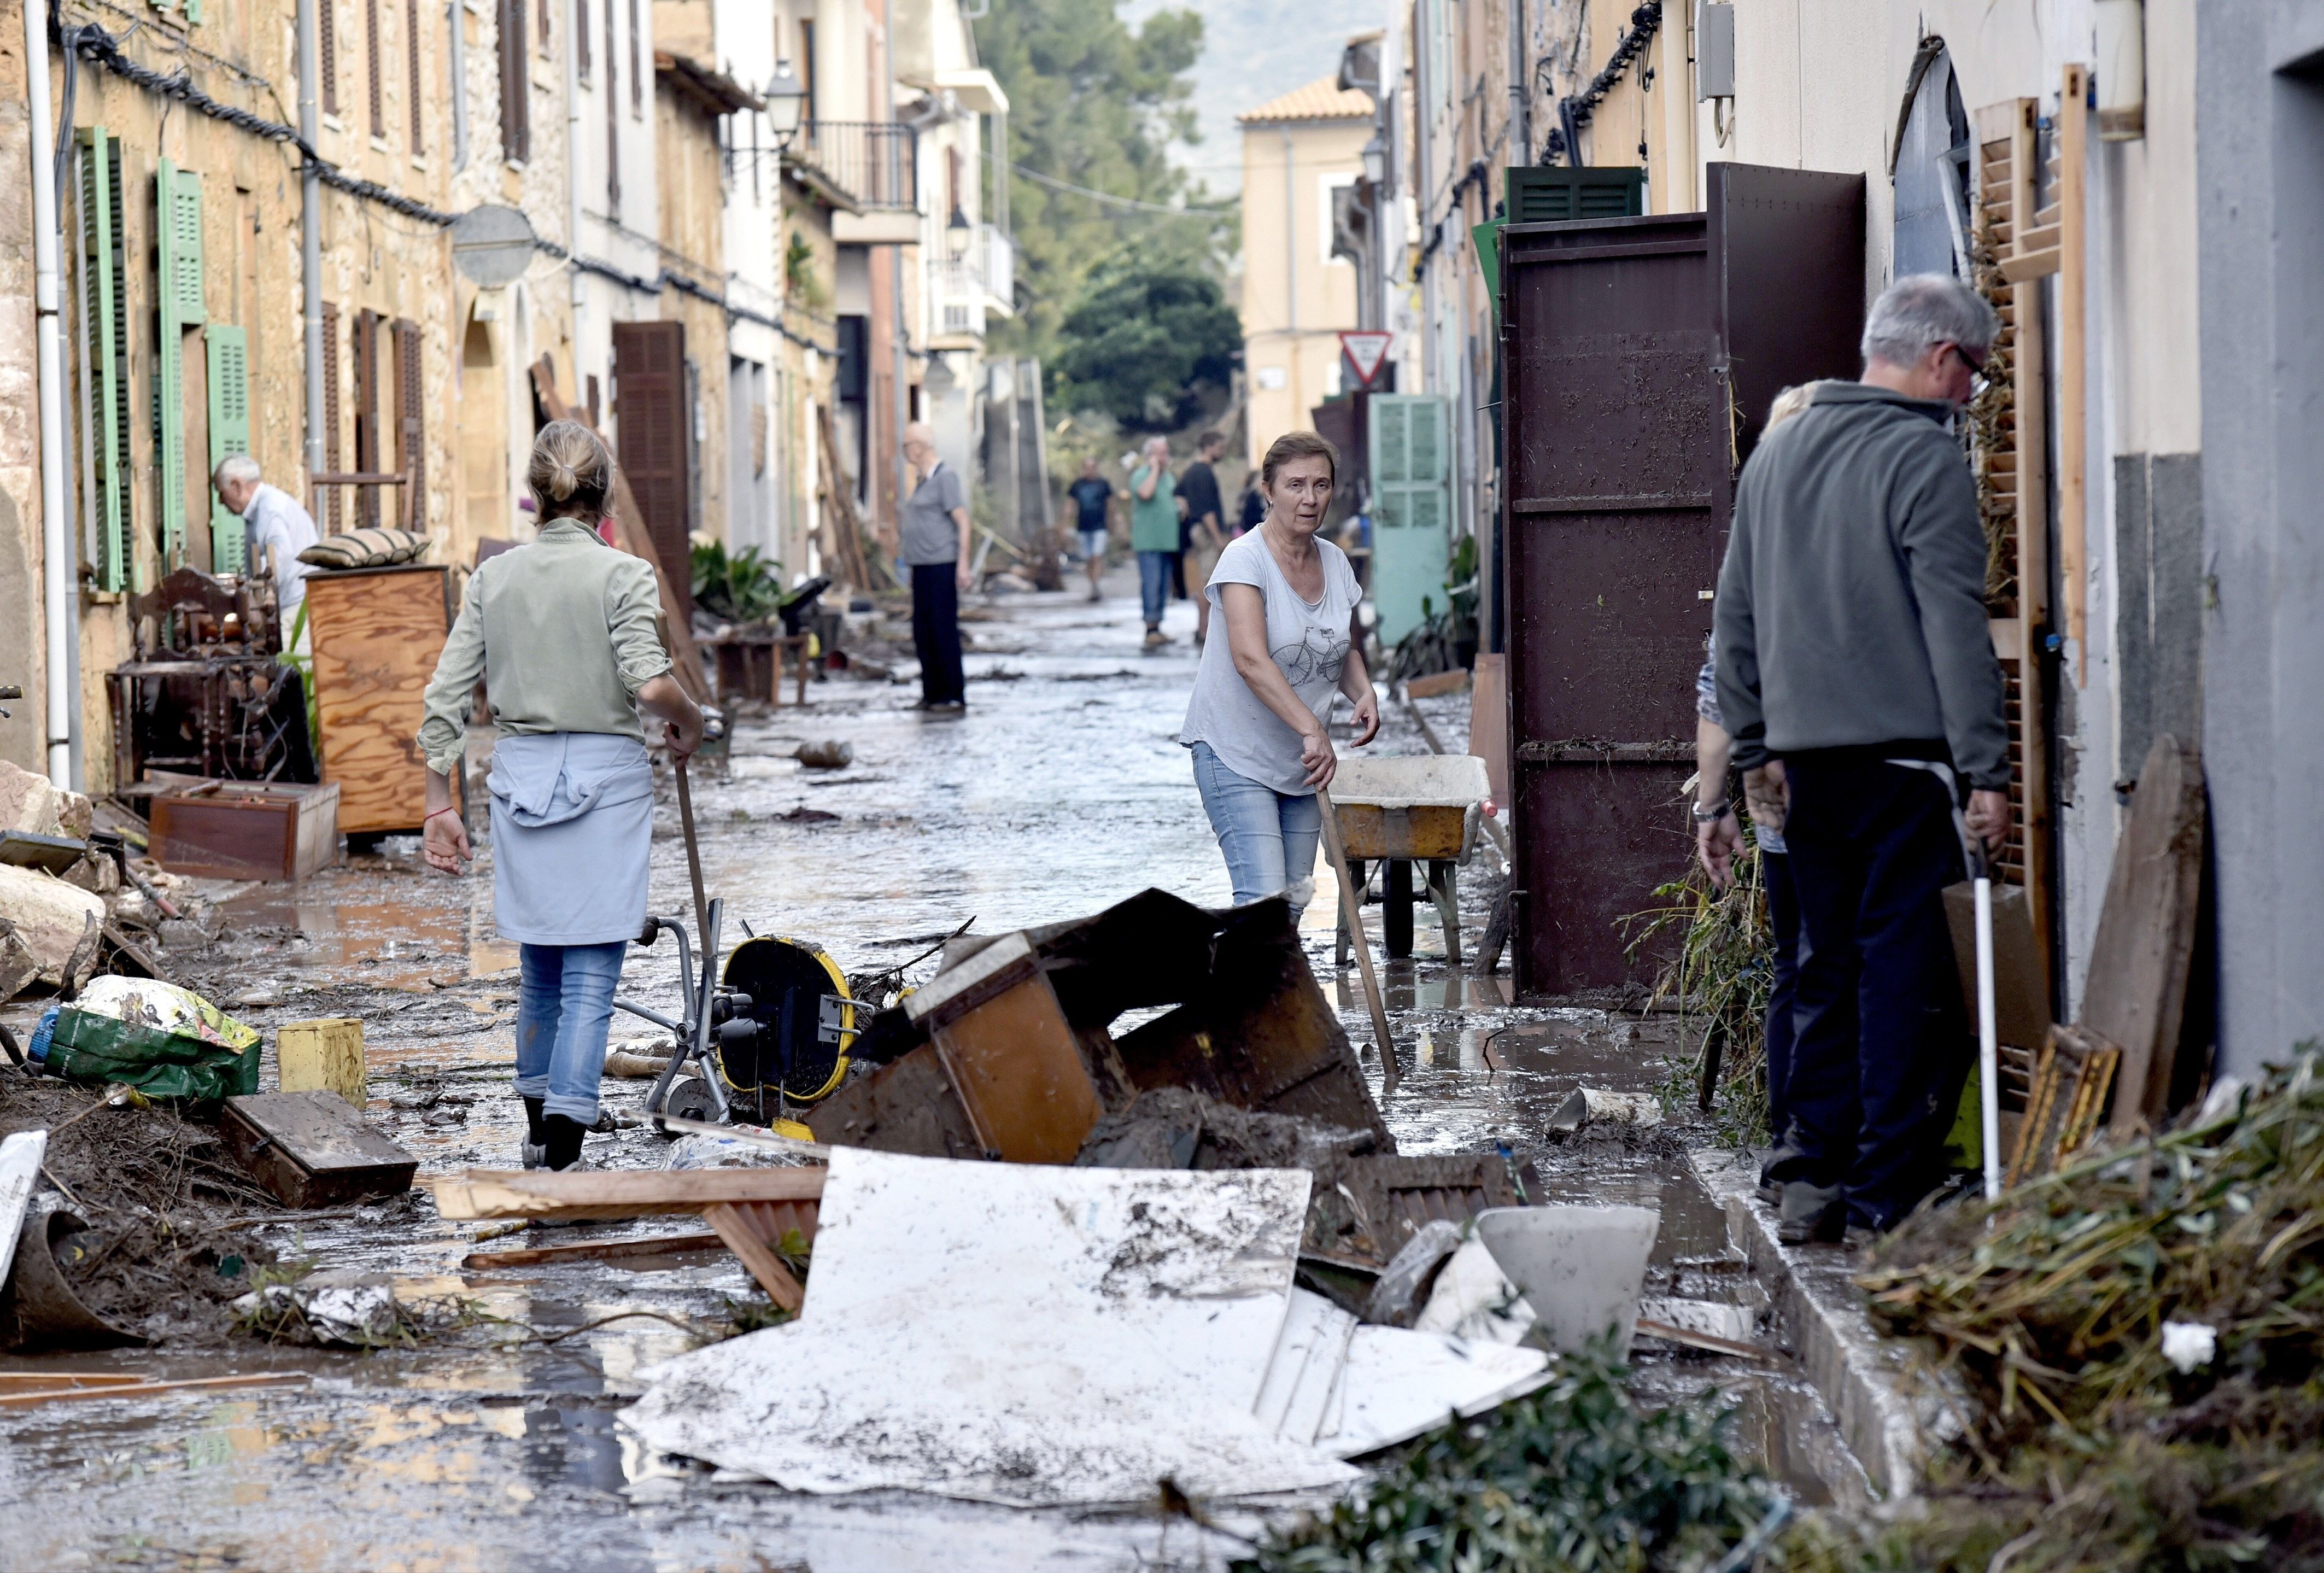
pixel 1153 532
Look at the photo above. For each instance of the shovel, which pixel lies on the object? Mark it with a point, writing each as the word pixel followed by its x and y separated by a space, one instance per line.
pixel 1351 906
pixel 1988 1053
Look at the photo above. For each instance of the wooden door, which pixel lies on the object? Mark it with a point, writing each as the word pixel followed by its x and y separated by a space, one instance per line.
pixel 649 423
pixel 1640 357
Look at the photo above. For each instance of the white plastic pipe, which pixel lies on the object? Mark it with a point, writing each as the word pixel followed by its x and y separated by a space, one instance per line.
pixel 1988 1053
pixel 60 561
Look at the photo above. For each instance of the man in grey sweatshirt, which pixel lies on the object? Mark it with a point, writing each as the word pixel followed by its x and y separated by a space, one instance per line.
pixel 1856 671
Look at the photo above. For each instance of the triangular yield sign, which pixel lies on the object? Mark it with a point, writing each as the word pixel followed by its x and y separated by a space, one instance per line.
pixel 1366 349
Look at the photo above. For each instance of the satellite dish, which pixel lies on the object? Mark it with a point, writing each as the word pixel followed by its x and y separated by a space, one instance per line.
pixel 493 244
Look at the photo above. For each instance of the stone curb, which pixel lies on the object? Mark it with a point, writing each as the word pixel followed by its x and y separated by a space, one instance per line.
pixel 1860 1375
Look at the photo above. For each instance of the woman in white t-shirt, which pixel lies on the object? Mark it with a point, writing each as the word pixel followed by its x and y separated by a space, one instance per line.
pixel 1256 723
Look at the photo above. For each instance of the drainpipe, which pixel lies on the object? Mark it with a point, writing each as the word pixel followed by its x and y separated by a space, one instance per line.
pixel 310 236
pixel 458 11
pixel 1520 138
pixel 573 180
pixel 902 400
pixel 1291 268
pixel 60 561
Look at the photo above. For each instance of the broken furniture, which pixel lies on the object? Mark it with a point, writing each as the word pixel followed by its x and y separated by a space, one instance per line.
pixel 375 634
pixel 1019 1061
pixel 752 1210
pixel 259 831
pixel 1420 810
pixel 312 1149
pixel 2127 1041
pixel 208 693
pixel 750 666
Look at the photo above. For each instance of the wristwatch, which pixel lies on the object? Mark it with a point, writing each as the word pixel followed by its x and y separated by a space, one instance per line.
pixel 1714 813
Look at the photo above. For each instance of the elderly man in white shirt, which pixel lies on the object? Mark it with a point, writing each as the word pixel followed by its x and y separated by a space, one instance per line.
pixel 278 530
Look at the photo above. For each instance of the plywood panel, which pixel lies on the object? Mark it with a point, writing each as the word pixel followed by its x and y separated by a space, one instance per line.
pixel 376 634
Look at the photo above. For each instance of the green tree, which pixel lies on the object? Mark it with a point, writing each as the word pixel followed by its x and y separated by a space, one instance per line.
pixel 1141 339
pixel 1096 104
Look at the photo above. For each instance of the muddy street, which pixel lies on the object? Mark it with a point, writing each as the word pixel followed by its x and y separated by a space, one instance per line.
pixel 484 1435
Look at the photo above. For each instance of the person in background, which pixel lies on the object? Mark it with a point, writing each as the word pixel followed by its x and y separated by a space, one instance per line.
pixel 935 544
pixel 1091 493
pixel 1252 513
pixel 275 529
pixel 1719 834
pixel 1257 720
pixel 1153 532
pixel 1856 675
pixel 562 630
pixel 1198 495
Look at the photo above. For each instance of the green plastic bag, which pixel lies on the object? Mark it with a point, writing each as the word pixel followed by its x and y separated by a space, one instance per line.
pixel 164 1041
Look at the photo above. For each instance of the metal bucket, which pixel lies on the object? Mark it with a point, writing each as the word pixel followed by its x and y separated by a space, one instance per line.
pixel 38 1308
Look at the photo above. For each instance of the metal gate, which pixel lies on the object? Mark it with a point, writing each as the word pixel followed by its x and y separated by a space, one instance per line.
pixel 1640 356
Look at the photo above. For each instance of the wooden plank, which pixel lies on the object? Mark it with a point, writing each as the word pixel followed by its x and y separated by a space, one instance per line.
pixel 2073 560
pixel 2027 266
pixel 595 1251
pixel 375 638
pixel 140 1389
pixel 540 1193
pixel 312 1149
pixel 758 1255
pixel 2136 990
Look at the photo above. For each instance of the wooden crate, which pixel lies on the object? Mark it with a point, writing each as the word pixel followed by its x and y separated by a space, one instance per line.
pixel 235 830
pixel 312 1149
pixel 376 632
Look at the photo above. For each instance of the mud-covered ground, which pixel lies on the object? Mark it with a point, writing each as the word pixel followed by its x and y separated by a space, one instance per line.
pixel 489 1441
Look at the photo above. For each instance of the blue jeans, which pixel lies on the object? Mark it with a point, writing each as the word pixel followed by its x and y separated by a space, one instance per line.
pixel 1154 584
pixel 1269 837
pixel 564 1011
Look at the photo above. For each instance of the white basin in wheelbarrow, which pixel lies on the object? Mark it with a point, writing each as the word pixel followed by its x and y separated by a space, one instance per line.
pixel 1414 806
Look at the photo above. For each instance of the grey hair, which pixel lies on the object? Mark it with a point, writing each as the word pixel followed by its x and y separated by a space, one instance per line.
pixel 237 468
pixel 1920 310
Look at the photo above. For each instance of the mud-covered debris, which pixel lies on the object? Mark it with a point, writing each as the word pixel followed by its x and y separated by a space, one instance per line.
pixel 826 754
pixel 1590 1105
pixel 1173 1127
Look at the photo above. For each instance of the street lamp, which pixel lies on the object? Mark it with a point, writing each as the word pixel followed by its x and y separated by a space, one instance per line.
pixel 1375 157
pixel 956 234
pixel 785 98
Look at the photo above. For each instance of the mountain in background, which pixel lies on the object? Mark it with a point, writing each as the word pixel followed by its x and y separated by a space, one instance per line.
pixel 1254 50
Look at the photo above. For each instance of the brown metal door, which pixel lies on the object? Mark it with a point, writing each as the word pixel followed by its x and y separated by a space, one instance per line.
pixel 1626 342
pixel 649 417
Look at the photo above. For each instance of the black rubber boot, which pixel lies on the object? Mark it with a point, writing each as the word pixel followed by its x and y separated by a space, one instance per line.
pixel 535 1130
pixel 564 1141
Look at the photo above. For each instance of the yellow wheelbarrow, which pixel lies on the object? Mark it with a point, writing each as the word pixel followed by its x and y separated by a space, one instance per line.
pixel 1421 809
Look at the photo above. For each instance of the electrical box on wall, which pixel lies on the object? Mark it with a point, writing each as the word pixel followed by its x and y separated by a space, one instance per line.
pixel 1715 50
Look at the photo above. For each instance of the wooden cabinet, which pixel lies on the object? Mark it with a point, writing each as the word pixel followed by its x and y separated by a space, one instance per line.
pixel 375 634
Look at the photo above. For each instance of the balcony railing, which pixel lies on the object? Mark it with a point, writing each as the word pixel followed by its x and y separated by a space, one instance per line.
pixel 873 163
pixel 983 280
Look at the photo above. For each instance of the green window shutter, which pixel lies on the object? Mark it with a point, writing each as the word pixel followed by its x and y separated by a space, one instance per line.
pixel 105 356
pixel 1411 477
pixel 229 388
pixel 1542 195
pixel 186 223
pixel 178 214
